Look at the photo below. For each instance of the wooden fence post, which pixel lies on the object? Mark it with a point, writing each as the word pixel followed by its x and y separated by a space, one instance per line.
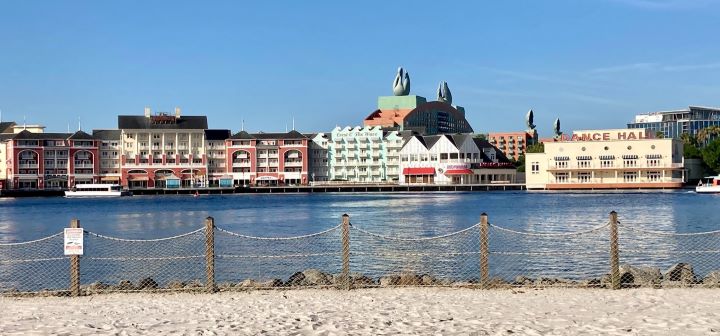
pixel 484 252
pixel 75 265
pixel 345 275
pixel 614 253
pixel 210 255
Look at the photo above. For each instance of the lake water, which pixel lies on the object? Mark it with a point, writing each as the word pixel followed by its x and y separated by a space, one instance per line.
pixel 394 216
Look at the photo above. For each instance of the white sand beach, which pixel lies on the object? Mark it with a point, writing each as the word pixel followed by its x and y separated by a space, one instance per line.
pixel 426 311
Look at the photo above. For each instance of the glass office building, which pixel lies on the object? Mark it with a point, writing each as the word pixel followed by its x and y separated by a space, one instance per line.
pixel 674 123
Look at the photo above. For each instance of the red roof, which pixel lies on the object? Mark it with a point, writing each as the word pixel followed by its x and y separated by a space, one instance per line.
pixel 418 171
pixel 458 172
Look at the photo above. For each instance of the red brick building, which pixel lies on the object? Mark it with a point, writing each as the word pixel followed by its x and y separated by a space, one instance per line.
pixel 267 159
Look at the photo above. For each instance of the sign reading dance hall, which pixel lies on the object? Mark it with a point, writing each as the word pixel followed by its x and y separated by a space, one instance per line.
pixel 607 135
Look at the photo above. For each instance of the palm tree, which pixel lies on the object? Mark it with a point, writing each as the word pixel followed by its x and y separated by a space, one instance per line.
pixel 688 139
pixel 707 134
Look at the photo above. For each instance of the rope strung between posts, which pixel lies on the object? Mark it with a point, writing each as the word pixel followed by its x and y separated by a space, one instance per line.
pixel 146 258
pixel 427 254
pixel 279 238
pixel 144 240
pixel 546 253
pixel 32 241
pixel 413 239
pixel 661 233
pixel 18 261
pixel 277 256
pixel 673 252
pixel 562 234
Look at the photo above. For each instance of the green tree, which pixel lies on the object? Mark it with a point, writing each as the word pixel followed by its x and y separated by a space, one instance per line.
pixel 688 139
pixel 536 148
pixel 711 155
pixel 659 135
pixel 520 163
pixel 480 136
pixel 691 151
pixel 708 134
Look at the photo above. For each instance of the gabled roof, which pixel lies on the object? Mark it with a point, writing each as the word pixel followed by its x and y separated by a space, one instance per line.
pixel 6 126
pixel 142 122
pixel 80 135
pixel 458 139
pixel 431 140
pixel 217 134
pixel 106 134
pixel 242 135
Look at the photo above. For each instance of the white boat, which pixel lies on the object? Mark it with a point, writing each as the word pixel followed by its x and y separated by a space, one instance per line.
pixel 711 184
pixel 97 190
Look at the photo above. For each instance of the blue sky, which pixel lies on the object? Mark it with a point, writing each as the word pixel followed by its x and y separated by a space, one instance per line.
pixel 593 64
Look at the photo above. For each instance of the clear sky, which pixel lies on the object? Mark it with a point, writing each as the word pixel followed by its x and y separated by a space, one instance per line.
pixel 592 63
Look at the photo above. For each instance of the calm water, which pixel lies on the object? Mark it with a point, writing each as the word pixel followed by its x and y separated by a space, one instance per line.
pixel 398 215
pixel 407 214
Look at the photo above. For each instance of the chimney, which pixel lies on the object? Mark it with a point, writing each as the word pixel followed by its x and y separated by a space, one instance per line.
pixel 147 112
pixel 177 112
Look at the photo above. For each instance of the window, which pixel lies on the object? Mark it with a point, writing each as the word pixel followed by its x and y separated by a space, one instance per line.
pixel 535 168
pixel 584 177
pixel 629 163
pixel 584 164
pixel 561 177
pixel 629 177
pixel 653 163
pixel 561 164
pixel 606 163
pixel 653 176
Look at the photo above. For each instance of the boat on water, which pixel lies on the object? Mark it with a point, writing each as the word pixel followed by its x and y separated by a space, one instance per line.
pixel 710 184
pixel 97 190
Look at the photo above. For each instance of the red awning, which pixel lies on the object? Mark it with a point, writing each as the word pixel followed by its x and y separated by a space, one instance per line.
pixel 458 172
pixel 418 171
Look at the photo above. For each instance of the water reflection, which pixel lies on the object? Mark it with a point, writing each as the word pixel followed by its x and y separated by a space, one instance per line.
pixel 402 215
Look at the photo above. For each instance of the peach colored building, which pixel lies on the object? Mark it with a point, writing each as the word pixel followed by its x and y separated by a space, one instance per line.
pixel 512 144
pixel 607 159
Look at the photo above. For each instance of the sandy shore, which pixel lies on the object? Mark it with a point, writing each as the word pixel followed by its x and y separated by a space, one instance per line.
pixel 437 311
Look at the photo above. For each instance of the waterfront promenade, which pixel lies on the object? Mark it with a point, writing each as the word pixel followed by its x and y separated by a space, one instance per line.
pixel 319 188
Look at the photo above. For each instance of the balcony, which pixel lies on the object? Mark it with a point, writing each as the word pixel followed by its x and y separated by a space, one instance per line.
pixel 83 165
pixel 293 163
pixel 241 164
pixel 28 166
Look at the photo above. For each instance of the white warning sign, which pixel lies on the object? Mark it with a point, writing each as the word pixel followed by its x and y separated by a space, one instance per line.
pixel 73 241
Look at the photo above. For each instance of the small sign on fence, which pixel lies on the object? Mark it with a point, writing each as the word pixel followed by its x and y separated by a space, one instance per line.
pixel 73 241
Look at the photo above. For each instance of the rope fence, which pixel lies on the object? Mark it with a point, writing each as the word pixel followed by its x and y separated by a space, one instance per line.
pixel 602 254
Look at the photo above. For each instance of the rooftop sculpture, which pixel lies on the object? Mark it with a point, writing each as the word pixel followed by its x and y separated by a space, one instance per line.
pixel 556 129
pixel 529 120
pixel 443 93
pixel 401 85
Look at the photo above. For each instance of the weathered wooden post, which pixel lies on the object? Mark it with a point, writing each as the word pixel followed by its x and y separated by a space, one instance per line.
pixel 345 275
pixel 614 253
pixel 210 255
pixel 484 252
pixel 75 265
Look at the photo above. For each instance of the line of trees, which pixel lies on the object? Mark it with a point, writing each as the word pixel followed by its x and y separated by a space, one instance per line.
pixel 705 146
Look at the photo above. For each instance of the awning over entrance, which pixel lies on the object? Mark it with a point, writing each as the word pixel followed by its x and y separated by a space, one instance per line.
pixel 266 178
pixel 418 171
pixel 137 178
pixel 458 172
pixel 110 178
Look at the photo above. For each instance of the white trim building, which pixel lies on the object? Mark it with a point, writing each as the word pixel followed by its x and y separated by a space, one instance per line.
pixel 607 159
pixel 364 155
pixel 453 159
